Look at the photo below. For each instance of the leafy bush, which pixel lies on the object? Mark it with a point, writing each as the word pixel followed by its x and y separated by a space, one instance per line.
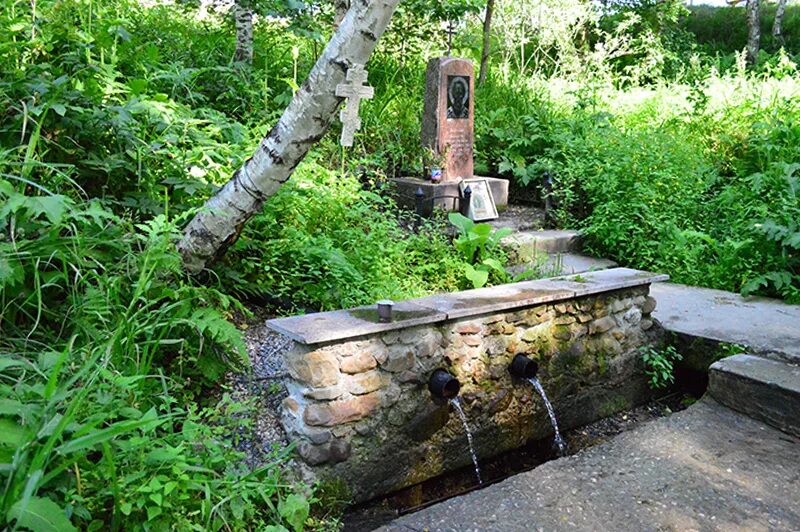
pixel 101 336
pixel 326 242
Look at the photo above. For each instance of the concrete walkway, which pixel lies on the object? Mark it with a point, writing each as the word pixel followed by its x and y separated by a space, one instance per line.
pixel 767 326
pixel 706 468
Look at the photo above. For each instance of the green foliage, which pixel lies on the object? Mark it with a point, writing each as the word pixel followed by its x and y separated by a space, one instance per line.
pixel 120 118
pixel 479 246
pixel 725 350
pixel 326 242
pixel 723 30
pixel 96 312
pixel 659 365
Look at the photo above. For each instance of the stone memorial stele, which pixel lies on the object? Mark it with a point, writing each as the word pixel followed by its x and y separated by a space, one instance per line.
pixel 447 131
pixel 448 116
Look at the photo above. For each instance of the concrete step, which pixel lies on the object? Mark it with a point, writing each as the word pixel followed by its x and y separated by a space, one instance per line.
pixel 571 263
pixel 764 389
pixel 527 246
pixel 564 264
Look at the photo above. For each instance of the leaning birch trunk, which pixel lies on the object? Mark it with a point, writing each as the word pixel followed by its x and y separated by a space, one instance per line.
pixel 777 26
pixel 243 18
pixel 303 123
pixel 487 42
pixel 340 7
pixel 753 30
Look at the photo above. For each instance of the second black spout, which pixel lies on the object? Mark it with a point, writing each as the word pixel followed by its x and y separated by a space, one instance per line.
pixel 523 367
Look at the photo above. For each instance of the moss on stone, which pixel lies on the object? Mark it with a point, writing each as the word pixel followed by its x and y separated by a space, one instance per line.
pixel 602 363
pixel 613 405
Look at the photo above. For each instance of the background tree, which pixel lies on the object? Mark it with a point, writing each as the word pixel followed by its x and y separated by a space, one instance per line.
pixel 753 30
pixel 777 25
pixel 243 21
pixel 340 8
pixel 487 41
pixel 302 124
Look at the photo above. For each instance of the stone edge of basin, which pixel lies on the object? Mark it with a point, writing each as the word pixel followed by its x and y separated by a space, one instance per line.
pixel 324 327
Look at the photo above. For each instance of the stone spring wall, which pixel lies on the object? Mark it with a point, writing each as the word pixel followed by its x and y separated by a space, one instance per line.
pixel 359 408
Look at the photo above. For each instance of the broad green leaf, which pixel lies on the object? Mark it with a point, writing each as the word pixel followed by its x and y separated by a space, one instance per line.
pixel 40 515
pixel 482 230
pixel 461 221
pixel 153 512
pixel 495 265
pixel 149 421
pixel 12 434
pixel 294 510
pixel 478 277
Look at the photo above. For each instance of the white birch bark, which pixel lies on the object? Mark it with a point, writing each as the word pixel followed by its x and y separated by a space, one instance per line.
pixel 303 123
pixel 753 30
pixel 243 17
pixel 340 7
pixel 777 25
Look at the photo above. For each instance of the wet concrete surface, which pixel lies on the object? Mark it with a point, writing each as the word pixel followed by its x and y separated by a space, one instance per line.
pixel 706 468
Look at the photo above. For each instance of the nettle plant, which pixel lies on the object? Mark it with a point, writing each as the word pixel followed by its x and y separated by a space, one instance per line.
pixel 660 365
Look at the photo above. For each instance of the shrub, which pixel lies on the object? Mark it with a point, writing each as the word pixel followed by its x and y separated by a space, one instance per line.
pixel 325 242
pixel 101 337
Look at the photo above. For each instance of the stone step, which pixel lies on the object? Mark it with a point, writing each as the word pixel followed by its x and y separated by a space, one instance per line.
pixel 528 245
pixel 764 389
pixel 565 264
pixel 571 263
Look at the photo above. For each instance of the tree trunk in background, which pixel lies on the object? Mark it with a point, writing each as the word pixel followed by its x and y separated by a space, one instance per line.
pixel 243 16
pixel 340 7
pixel 487 42
pixel 753 30
pixel 303 123
pixel 777 26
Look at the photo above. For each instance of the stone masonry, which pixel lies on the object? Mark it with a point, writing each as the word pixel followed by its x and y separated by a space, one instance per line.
pixel 360 411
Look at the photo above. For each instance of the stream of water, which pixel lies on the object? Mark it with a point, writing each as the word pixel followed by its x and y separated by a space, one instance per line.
pixel 559 441
pixel 456 402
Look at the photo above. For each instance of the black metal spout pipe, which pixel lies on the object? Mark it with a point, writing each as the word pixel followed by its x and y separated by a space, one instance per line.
pixel 443 384
pixel 523 367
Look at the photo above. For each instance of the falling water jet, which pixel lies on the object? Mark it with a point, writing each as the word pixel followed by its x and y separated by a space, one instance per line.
pixel 525 368
pixel 456 402
pixel 444 385
pixel 558 440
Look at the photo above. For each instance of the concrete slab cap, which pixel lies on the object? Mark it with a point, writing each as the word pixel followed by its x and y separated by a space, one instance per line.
pixel 342 324
pixel 494 299
pixel 589 283
pixel 570 263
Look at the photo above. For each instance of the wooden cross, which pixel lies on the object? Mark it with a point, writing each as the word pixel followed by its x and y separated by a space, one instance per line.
pixel 354 92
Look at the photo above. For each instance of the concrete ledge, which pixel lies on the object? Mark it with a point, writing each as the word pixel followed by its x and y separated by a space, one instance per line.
pixel 443 195
pixel 344 324
pixel 764 389
pixel 768 327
